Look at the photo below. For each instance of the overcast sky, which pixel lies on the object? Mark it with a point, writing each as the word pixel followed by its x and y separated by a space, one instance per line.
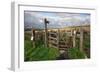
pixel 34 19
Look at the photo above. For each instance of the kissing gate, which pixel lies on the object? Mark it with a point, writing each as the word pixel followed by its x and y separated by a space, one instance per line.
pixel 62 38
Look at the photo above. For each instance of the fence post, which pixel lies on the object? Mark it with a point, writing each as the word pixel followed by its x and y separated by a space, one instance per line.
pixel 74 38
pixel 81 39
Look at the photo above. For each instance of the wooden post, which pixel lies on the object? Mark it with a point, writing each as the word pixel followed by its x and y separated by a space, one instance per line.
pixel 33 32
pixel 74 38
pixel 58 36
pixel 81 39
pixel 46 32
pixel 45 35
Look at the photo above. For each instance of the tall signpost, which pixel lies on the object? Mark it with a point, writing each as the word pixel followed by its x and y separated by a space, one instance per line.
pixel 46 32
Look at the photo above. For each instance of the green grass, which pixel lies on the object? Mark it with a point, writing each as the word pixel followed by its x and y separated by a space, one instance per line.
pixel 40 52
pixel 75 53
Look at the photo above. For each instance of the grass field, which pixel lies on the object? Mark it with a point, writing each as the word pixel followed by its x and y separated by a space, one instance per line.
pixel 39 52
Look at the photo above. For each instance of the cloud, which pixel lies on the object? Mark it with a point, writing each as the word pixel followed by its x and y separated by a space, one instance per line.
pixel 56 19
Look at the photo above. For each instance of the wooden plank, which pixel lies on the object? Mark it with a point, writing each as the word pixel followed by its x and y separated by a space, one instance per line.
pixel 63 48
pixel 52 42
pixel 53 46
pixel 52 38
pixel 55 33
pixel 62 45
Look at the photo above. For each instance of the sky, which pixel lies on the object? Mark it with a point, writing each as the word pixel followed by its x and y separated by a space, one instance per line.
pixel 35 19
